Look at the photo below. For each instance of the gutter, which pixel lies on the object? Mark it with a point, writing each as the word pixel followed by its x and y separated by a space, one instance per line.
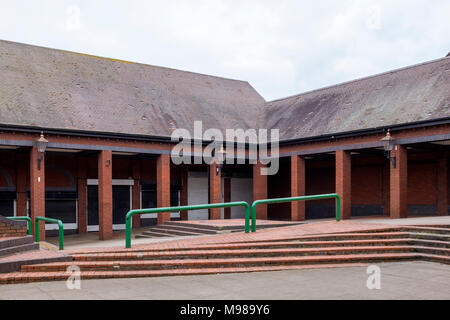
pixel 165 139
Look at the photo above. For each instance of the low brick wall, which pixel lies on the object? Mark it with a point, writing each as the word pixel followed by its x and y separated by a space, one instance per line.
pixel 11 228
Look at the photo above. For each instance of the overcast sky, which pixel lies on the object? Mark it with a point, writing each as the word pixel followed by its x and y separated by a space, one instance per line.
pixel 281 47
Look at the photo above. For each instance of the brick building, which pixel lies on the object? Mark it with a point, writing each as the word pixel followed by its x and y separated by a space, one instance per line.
pixel 108 125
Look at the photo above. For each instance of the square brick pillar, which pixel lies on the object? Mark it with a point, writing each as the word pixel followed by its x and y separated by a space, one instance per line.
pixel 37 190
pixel 215 192
pixel 399 183
pixel 82 195
pixel 184 215
pixel 22 174
pixel 344 182
pixel 163 186
pixel 259 190
pixel 297 187
pixel 386 188
pixel 227 196
pixel 136 191
pixel 442 207
pixel 105 201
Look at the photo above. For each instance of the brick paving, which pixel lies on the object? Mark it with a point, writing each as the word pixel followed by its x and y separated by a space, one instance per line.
pixel 289 232
pixel 312 245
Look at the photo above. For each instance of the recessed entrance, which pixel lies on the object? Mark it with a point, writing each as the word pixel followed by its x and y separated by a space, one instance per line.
pixel 121 192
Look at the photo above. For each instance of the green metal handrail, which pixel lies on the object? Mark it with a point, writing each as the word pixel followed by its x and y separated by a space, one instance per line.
pixel 28 219
pixel 184 208
pixel 60 229
pixel 303 198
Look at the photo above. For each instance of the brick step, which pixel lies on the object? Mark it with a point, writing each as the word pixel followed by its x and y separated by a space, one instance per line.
pixel 287 244
pixel 186 228
pixel 428 230
pixel 360 236
pixel 233 253
pixel 152 234
pixel 26 277
pixel 429 236
pixel 206 226
pixel 15 241
pixel 221 263
pixel 338 237
pixel 14 262
pixel 241 253
pixel 19 248
pixel 446 226
pixel 233 228
pixel 163 230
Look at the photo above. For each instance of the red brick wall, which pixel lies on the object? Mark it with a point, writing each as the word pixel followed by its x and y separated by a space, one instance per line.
pixel 279 185
pixel 7 165
pixel 10 228
pixel 367 185
pixel 422 179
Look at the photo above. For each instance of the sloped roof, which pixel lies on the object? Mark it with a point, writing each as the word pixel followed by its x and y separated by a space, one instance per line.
pixel 412 94
pixel 56 89
pixel 63 90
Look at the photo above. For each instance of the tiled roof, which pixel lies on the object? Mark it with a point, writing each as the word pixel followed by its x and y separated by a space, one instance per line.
pixel 56 89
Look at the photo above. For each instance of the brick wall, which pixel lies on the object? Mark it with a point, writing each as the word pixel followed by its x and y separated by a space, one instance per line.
pixel 9 228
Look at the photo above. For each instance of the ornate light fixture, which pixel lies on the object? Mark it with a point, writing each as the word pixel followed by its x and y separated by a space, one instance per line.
pixel 389 143
pixel 219 158
pixel 41 145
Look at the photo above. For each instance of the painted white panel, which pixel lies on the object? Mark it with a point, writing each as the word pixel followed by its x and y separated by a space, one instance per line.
pixel 197 194
pixel 241 190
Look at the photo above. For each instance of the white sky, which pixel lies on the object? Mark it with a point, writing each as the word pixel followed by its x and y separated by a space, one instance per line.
pixel 281 47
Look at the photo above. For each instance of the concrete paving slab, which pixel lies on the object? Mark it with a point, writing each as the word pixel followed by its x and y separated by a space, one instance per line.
pixel 405 280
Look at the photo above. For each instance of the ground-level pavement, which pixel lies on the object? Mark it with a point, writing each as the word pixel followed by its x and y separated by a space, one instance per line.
pixel 401 280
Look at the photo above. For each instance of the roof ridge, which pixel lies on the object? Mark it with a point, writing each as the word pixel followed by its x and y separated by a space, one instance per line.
pixel 361 79
pixel 121 60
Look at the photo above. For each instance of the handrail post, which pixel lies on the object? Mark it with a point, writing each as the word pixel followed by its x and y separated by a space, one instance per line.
pixel 61 235
pixel 338 208
pixel 60 229
pixel 36 229
pixel 29 223
pixel 128 230
pixel 131 213
pixel 291 199
pixel 254 216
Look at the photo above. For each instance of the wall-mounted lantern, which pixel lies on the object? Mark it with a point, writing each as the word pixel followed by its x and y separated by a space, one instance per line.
pixel 41 145
pixel 389 143
pixel 219 158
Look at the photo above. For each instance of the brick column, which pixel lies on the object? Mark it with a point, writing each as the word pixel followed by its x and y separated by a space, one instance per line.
pixel 344 182
pixel 22 197
pixel 399 183
pixel 136 191
pixel 227 196
pixel 297 187
pixel 184 215
pixel 37 190
pixel 215 193
pixel 442 205
pixel 163 186
pixel 259 190
pixel 105 202
pixel 82 195
pixel 386 188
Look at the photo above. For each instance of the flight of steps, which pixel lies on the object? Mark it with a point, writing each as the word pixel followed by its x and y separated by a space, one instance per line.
pixel 426 243
pixel 14 245
pixel 18 251
pixel 183 229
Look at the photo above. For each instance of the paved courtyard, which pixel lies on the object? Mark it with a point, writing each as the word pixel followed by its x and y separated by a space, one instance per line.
pixel 402 280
